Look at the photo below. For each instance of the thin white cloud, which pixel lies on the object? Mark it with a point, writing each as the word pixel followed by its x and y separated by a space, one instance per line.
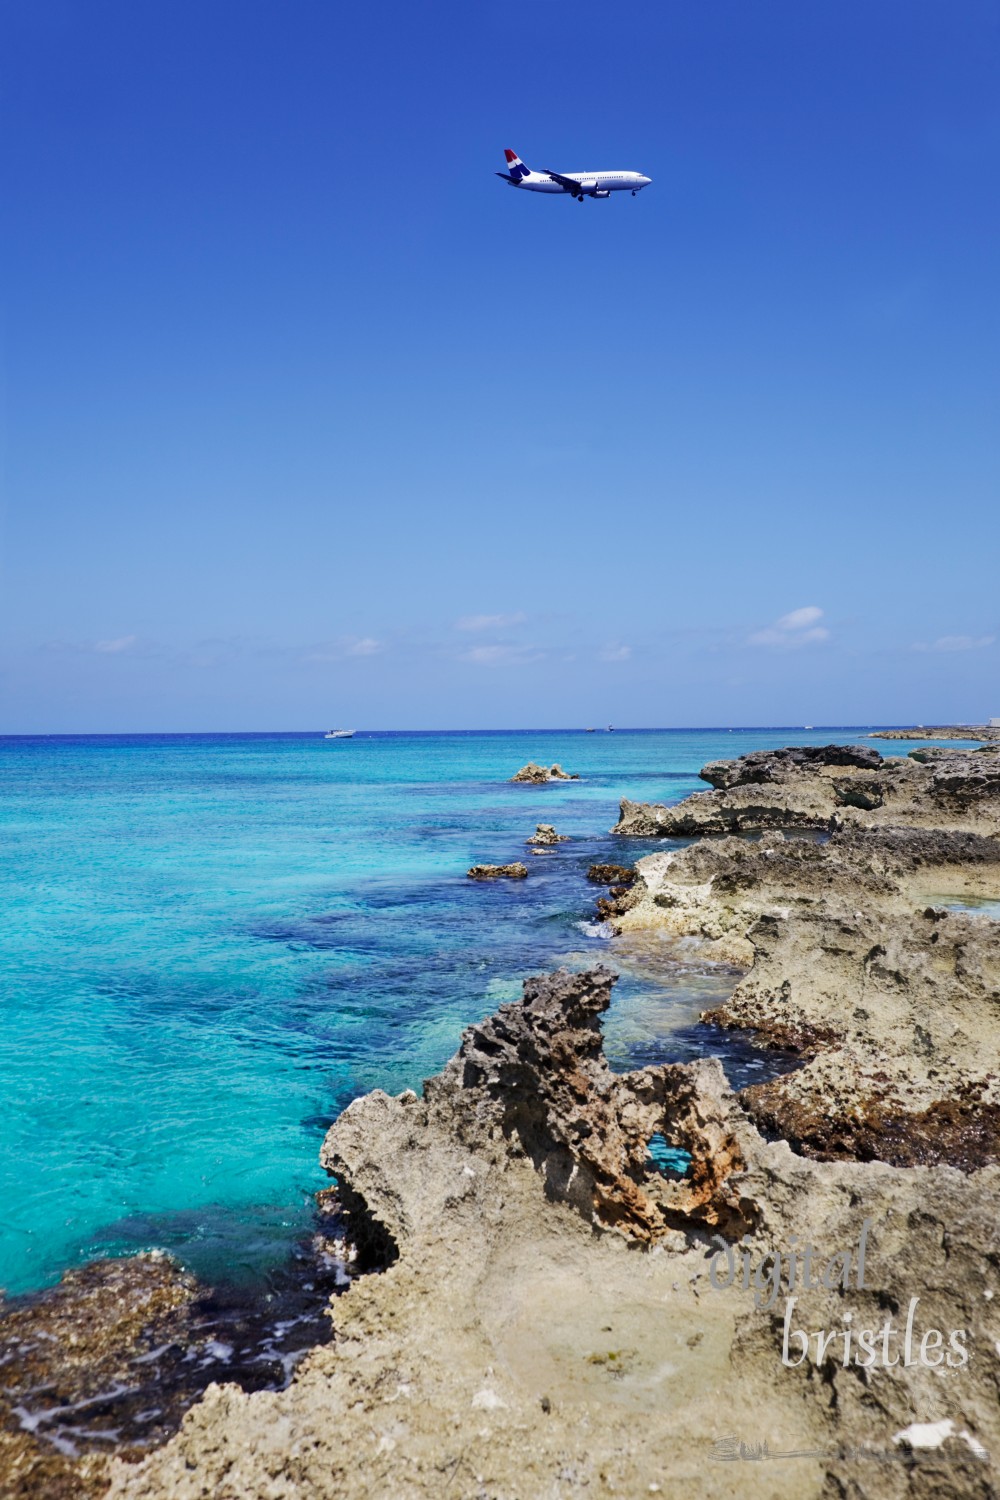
pixel 492 656
pixel 798 628
pixel 798 619
pixel 957 643
pixel 489 622
pixel 349 645
pixel 111 648
pixel 615 653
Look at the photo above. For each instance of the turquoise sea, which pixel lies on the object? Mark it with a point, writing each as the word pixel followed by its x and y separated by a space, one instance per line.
pixel 211 943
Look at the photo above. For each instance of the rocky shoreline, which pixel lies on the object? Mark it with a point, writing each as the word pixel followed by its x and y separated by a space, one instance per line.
pixel 560 1316
pixel 857 950
pixel 588 1279
pixel 983 732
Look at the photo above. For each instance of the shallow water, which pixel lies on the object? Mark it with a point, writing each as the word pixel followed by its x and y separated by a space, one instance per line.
pixel 975 906
pixel 212 943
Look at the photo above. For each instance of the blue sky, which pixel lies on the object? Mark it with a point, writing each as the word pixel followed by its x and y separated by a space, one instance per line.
pixel 310 420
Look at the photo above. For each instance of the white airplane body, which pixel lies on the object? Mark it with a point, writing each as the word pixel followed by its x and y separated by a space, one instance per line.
pixel 578 185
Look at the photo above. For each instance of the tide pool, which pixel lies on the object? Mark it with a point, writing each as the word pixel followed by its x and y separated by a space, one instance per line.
pixel 212 943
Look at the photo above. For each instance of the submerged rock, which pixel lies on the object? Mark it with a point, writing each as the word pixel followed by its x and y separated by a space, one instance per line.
pixel 71 1383
pixel 538 774
pixel 516 871
pixel 107 1361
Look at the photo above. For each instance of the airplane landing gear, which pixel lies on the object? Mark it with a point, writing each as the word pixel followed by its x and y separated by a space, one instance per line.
pixel 633 192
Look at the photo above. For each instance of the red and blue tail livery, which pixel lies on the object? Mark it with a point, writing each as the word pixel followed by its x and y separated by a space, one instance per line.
pixel 516 170
pixel 578 185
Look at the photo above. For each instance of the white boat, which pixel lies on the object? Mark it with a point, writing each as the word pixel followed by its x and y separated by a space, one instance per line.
pixel 339 734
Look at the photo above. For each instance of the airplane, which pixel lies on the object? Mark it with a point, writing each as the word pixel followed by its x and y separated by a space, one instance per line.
pixel 579 185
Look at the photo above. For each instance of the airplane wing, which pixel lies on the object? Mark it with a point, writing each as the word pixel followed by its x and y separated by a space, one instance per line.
pixel 569 183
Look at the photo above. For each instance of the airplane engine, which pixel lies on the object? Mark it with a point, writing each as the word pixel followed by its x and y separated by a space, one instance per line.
pixel 601 193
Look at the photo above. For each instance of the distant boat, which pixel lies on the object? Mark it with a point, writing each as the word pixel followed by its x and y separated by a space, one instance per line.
pixel 611 729
pixel 807 726
pixel 590 731
pixel 339 734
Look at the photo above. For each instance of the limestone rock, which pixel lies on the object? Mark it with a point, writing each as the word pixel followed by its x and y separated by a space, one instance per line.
pixel 545 834
pixel 538 774
pixel 515 871
pixel 852 962
pixel 550 1324
pixel 765 766
pixel 827 788
pixel 985 732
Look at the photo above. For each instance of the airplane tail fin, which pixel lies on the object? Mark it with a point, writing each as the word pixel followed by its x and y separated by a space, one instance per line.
pixel 516 169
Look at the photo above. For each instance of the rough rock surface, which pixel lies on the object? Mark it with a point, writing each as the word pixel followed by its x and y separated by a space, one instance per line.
pixel 983 732
pixel 109 1359
pixel 516 871
pixel 536 773
pixel 611 874
pixel 68 1374
pixel 853 956
pixel 761 766
pixel 550 1328
pixel 829 788
pixel 545 834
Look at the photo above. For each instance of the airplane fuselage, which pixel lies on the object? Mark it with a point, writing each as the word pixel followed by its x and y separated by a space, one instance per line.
pixel 592 184
pixel 578 185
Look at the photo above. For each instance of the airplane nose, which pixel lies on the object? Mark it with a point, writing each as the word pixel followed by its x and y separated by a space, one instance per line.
pixel 646 181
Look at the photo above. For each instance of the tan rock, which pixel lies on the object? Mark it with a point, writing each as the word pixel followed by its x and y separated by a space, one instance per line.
pixel 539 774
pixel 550 1326
pixel 545 834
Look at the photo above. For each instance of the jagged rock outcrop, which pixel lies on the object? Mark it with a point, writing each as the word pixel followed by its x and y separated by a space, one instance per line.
pixel 833 787
pixel 760 767
pixel 620 879
pixel 538 774
pixel 551 1325
pixel 515 871
pixel 611 874
pixel 545 834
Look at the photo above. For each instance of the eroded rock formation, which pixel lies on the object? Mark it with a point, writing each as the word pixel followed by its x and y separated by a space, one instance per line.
pixel 559 1318
pixel 515 871
pixel 857 951
pixel 545 834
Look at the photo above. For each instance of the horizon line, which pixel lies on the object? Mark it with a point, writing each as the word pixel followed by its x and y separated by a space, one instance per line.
pixel 514 729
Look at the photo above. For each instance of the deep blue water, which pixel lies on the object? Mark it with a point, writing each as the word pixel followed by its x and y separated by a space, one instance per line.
pixel 211 943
